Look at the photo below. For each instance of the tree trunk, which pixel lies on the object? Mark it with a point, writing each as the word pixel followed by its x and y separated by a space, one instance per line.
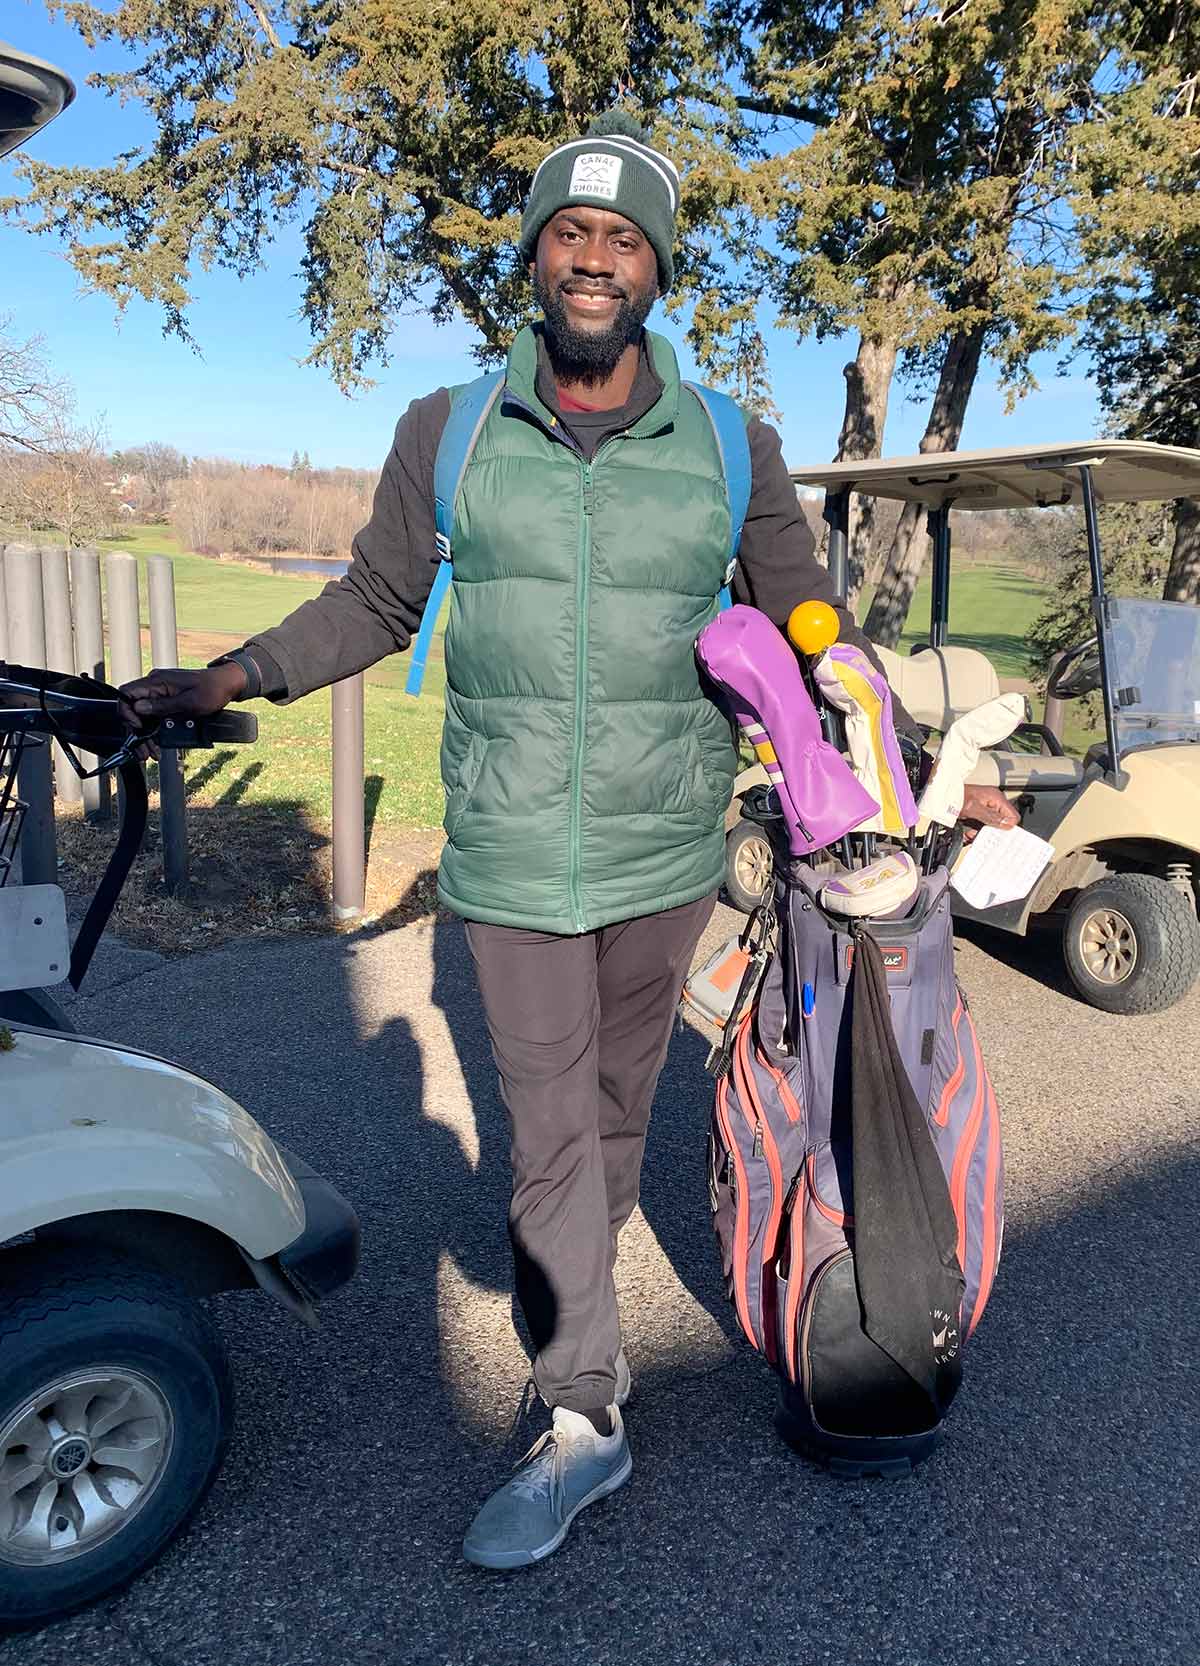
pixel 1183 575
pixel 868 384
pixel 889 608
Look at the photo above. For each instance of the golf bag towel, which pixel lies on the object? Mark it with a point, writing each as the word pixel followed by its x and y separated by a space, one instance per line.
pixel 856 1175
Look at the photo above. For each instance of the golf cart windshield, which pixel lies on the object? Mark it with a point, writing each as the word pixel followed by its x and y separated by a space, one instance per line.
pixel 1156 671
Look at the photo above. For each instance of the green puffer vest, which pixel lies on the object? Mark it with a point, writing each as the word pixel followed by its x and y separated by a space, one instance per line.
pixel 586 773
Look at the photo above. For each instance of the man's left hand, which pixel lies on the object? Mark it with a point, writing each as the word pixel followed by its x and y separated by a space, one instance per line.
pixel 986 807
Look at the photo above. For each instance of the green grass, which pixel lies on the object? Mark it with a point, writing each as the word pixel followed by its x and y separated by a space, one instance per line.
pixel 992 607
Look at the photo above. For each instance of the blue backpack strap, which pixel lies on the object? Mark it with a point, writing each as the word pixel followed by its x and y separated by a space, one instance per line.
pixel 729 427
pixel 468 413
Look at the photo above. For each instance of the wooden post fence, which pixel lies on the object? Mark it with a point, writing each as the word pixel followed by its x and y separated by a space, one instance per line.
pixel 51 616
pixel 27 646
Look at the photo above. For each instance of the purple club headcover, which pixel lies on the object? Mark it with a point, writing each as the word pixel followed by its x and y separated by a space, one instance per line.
pixel 753 663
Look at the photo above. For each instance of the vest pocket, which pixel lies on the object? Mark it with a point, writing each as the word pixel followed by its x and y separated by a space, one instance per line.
pixel 711 775
pixel 459 775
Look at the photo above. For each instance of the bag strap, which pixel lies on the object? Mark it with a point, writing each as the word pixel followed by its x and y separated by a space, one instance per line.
pixel 729 430
pixel 468 413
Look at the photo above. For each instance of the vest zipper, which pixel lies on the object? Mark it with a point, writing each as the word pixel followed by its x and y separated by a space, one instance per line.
pixel 581 647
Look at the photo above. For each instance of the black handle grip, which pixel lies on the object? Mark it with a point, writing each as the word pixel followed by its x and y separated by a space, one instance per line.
pixel 223 728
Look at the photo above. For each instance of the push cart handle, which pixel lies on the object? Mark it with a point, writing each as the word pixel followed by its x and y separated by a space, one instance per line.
pixel 222 728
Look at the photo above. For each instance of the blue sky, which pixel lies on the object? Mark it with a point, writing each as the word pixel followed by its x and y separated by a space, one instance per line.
pixel 246 396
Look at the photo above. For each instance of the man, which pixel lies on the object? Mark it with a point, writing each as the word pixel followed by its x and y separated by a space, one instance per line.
pixel 586 772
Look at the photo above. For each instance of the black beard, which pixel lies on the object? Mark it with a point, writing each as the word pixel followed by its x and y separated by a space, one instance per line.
pixel 590 356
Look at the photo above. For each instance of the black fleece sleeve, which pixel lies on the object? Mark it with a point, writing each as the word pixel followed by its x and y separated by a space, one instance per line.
pixel 376 608
pixel 777 564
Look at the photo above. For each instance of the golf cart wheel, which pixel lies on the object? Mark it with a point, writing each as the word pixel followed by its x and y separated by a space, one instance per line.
pixel 749 866
pixel 1132 944
pixel 115 1411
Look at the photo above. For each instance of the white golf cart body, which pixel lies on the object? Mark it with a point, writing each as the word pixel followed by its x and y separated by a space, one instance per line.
pixel 128 1152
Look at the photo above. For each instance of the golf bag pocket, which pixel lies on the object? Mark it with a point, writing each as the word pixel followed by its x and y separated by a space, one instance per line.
pixel 852 1388
pixel 817 1229
pixel 756 1146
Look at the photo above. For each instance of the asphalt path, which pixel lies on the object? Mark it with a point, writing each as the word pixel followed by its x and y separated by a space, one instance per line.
pixel 1057 1522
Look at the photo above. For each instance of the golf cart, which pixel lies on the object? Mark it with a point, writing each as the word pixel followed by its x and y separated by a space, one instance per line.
pixel 1124 818
pixel 32 93
pixel 130 1190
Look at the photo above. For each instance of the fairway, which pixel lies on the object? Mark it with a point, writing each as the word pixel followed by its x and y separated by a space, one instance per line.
pixel 219 603
pixel 991 608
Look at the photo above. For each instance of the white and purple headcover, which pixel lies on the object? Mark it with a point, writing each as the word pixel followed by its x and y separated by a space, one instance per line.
pixel 850 683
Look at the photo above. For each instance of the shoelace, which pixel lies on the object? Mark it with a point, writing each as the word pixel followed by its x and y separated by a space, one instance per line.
pixel 540 1473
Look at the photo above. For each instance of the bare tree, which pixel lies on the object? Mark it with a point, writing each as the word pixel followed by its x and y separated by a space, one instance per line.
pixel 32 401
pixel 243 509
pixel 62 487
pixel 157 467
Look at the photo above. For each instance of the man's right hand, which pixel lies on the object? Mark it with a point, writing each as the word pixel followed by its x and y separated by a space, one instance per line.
pixel 179 693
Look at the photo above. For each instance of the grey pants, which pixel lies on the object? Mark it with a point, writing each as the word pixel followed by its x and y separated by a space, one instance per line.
pixel 579 1029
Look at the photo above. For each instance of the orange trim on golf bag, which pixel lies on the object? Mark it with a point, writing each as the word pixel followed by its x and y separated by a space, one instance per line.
pixel 833 1215
pixel 942 1115
pixel 990 1254
pixel 966 1151
pixel 748 1093
pixel 795 1279
pixel 786 1097
pixel 741 1226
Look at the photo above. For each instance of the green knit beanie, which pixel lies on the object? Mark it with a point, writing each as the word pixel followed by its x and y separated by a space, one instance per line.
pixel 614 167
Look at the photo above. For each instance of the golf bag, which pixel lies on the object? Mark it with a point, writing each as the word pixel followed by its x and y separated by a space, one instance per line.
pixel 855 1171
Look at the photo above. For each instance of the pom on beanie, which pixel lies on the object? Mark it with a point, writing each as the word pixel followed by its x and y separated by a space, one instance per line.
pixel 619 122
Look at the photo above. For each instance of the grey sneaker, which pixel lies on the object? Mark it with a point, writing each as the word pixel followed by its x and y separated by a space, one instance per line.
pixel 570 1467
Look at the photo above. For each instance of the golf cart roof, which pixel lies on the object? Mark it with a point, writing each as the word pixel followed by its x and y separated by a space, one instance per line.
pixel 1018 477
pixel 32 92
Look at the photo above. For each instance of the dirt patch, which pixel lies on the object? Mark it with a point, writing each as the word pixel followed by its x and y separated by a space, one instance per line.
pixel 201 645
pixel 208 645
pixel 254 871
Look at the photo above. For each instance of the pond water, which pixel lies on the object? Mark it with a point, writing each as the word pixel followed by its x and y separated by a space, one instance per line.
pixel 308 568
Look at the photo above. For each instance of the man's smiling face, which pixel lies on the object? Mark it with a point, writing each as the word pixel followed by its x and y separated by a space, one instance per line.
pixel 596 279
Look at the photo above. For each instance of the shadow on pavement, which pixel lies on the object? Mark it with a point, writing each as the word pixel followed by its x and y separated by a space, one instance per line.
pixel 1057 1522
pixel 1037 956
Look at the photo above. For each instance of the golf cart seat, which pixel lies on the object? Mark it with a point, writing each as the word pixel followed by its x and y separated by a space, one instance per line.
pixel 936 685
pixel 1026 771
